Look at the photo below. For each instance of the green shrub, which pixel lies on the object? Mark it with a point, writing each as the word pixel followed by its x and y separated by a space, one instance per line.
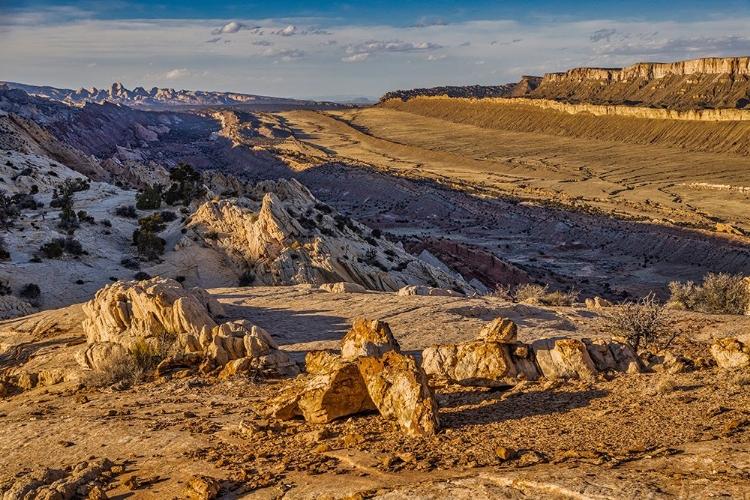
pixel 53 249
pixel 127 211
pixel 149 199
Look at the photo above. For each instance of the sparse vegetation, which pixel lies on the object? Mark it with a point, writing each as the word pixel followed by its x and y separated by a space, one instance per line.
pixel 63 198
pixel 560 298
pixel 54 249
pixel 719 294
pixel 32 293
pixel 8 210
pixel 5 289
pixel 150 198
pixel 127 211
pixel 247 278
pixel 640 323
pixel 530 292
pixel 4 254
pixel 149 245
pixel 130 263
pixel 140 276
pixel 186 185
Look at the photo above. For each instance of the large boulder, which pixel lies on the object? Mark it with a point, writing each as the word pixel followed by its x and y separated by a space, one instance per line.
pixel 500 330
pixel 325 361
pixel 398 388
pixel 368 338
pixel 336 394
pixel 485 364
pixel 126 311
pixel 563 358
pixel 730 353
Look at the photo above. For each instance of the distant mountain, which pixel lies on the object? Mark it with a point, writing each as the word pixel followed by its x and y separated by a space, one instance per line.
pixel 161 98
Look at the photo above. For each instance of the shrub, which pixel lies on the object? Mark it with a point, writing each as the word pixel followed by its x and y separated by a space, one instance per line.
pixel 5 289
pixel 560 298
pixel 32 293
pixel 53 249
pixel 149 245
pixel 140 276
pixel 127 211
pixel 62 197
pixel 168 216
pixel 116 370
pixel 719 294
pixel 105 223
pixel 73 246
pixel 530 292
pixel 376 233
pixel 130 263
pixel 640 323
pixel 8 210
pixel 180 279
pixel 4 254
pixel 246 279
pixel 186 185
pixel 149 199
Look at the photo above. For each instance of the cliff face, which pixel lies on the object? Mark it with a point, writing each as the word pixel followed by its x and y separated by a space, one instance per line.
pixel 709 83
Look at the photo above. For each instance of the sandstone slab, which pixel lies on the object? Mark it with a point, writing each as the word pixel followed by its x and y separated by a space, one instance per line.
pixel 368 338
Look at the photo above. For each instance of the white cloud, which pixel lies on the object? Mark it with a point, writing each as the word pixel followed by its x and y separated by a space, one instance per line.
pixel 356 57
pixel 391 46
pixel 176 73
pixel 233 27
pixel 433 57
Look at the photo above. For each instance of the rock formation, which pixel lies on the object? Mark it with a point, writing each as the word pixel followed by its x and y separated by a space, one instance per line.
pixel 369 374
pixel 289 237
pixel 563 358
pixel 730 353
pixel 160 313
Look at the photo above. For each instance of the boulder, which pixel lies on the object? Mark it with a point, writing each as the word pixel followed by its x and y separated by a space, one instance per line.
pixel 563 358
pixel 101 355
pixel 333 395
pixel 368 338
pixel 343 287
pixel 481 364
pixel 600 354
pixel 398 388
pixel 125 311
pixel 201 487
pixel 320 362
pixel 500 330
pixel 626 360
pixel 730 353
pixel 485 364
pixel 427 291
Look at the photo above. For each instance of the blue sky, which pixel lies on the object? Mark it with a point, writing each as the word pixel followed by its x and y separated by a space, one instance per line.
pixel 314 49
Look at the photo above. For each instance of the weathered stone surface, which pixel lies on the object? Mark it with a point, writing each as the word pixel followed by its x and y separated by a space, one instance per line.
pixel 100 355
pixel 600 354
pixel 500 330
pixel 730 353
pixel 326 361
pixel 626 360
pixel 399 389
pixel 597 303
pixel 428 291
pixel 485 364
pixel 201 487
pixel 343 287
pixel 128 310
pixel 368 338
pixel 12 307
pixel 481 364
pixel 333 395
pixel 563 358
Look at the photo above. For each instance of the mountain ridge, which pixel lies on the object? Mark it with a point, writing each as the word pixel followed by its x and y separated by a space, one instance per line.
pixel 117 93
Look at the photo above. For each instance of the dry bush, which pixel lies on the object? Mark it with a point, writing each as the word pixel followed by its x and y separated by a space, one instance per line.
pixel 530 293
pixel 117 370
pixel 640 323
pixel 501 292
pixel 719 294
pixel 560 298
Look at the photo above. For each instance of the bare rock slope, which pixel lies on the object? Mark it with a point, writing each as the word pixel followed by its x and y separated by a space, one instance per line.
pixel 289 237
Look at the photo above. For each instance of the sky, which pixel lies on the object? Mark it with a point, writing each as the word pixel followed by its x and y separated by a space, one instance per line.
pixel 334 49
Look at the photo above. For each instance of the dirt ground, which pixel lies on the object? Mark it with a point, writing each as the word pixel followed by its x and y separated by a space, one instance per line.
pixel 649 435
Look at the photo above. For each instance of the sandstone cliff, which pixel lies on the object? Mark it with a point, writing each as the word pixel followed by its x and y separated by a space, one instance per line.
pixel 282 235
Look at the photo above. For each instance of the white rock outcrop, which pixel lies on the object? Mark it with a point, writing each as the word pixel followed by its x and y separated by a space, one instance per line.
pixel 284 236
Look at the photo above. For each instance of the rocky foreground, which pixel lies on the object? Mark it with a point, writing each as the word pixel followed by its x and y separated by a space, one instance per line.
pixel 509 400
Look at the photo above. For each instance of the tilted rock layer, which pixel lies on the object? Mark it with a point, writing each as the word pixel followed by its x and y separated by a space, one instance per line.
pixel 289 237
